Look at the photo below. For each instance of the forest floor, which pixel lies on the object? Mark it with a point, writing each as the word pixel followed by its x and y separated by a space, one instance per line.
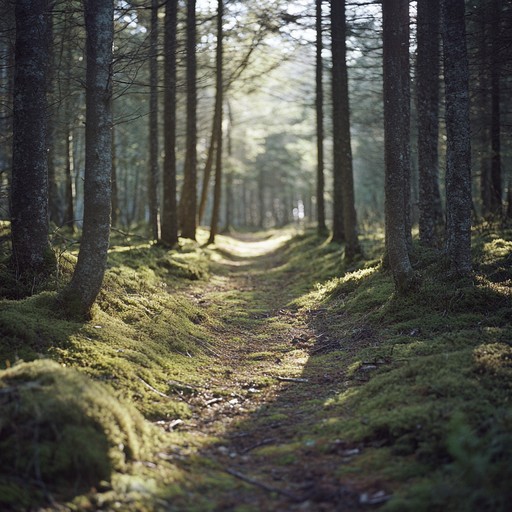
pixel 264 387
pixel 261 374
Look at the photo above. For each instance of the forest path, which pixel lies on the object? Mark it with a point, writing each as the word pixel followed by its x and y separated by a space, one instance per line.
pixel 248 445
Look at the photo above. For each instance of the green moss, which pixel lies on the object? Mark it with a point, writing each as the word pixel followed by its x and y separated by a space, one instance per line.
pixel 60 430
pixel 262 356
pixel 165 410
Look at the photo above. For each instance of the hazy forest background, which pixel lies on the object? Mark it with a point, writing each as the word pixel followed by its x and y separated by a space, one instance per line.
pixel 255 255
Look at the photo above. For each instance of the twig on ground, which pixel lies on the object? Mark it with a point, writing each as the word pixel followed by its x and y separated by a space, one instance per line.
pixel 334 344
pixel 291 379
pixel 263 486
pixel 153 389
pixel 257 445
pixel 182 386
pixel 213 401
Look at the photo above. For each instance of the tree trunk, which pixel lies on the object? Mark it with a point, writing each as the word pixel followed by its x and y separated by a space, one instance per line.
pixel 427 85
pixel 396 138
pixel 51 134
pixel 69 212
pixel 29 187
pixel 188 205
pixel 230 201
pixel 208 167
pixel 87 279
pixel 153 124
pixel 262 208
pixel 341 129
pixel 496 188
pixel 69 184
pixel 218 127
pixel 114 178
pixel 6 70
pixel 169 211
pixel 458 148
pixel 320 182
pixel 338 225
pixel 484 108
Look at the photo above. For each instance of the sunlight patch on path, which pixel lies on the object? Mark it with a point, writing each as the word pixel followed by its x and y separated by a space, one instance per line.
pixel 252 246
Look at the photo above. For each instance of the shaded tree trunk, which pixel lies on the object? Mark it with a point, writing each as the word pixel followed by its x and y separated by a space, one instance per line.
pixel 427 85
pixel 115 189
pixel 87 279
pixel 396 138
pixel 169 211
pixel 484 109
pixel 262 208
pixel 29 187
pixel 51 135
pixel 218 127
pixel 69 211
pixel 341 130
pixel 320 181
pixel 338 226
pixel 188 205
pixel 6 79
pixel 208 167
pixel 458 149
pixel 153 124
pixel 230 200
pixel 69 186
pixel 496 188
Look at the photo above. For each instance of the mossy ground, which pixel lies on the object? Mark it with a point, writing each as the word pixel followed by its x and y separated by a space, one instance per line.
pixel 271 377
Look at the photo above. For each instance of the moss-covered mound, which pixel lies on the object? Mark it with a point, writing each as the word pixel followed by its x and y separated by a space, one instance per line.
pixel 60 433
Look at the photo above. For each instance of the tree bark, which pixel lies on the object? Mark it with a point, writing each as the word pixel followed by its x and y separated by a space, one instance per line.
pixel 396 138
pixel 69 211
pixel 169 211
pixel 262 207
pixel 496 187
pixel 87 278
pixel 29 187
pixel 153 124
pixel 338 224
pixel 114 178
pixel 69 184
pixel 230 200
pixel 458 148
pixel 427 85
pixel 218 127
pixel 188 205
pixel 208 167
pixel 51 133
pixel 341 129
pixel 320 181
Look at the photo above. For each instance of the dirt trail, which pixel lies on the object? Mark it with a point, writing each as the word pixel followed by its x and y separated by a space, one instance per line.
pixel 264 396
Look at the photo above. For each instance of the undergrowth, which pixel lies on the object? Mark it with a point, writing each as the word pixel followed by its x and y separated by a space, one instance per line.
pixel 422 386
pixel 143 340
pixel 430 377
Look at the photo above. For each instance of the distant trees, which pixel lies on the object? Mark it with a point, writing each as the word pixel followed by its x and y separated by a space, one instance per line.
pixel 168 115
pixel 31 253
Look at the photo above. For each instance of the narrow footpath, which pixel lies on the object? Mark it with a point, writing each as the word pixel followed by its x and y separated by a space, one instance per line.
pixel 248 445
